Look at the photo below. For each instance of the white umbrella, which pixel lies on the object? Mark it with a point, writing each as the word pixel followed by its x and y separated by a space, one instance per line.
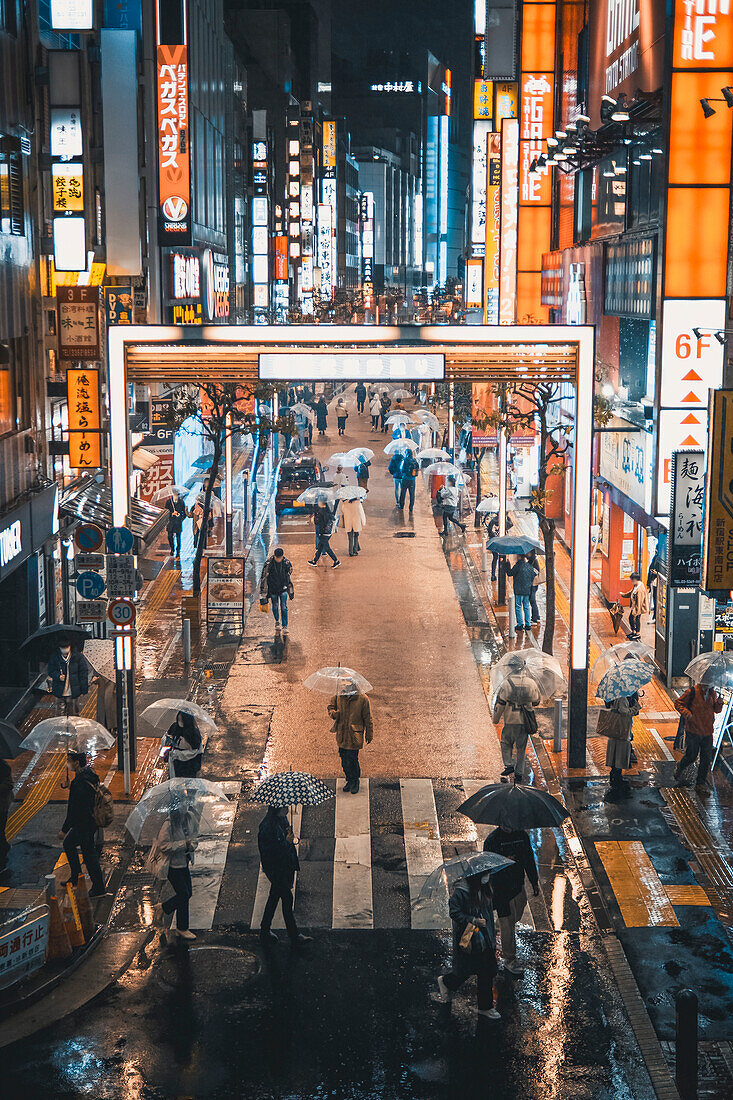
pixel 434 454
pixel 444 469
pixel 162 713
pixel 401 393
pixel 398 418
pixel 199 807
pixel 350 492
pixel 75 733
pixel 343 459
pixel 100 653
pixel 337 681
pixel 488 504
pixel 215 505
pixel 161 495
pixel 620 652
pixel 400 445
pixel 314 493
pixel 302 410
pixel 427 418
pixel 361 452
pixel 543 668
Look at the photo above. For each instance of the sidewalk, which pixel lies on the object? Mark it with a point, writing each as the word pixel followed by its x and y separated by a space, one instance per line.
pixel 662 859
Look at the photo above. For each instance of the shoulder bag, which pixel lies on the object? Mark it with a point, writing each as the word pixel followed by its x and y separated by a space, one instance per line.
pixel 612 725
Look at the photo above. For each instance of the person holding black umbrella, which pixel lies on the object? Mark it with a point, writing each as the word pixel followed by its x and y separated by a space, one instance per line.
pixel 279 859
pixel 68 676
pixel 510 897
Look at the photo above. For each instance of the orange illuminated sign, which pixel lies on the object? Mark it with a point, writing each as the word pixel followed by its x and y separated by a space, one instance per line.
pixel 535 124
pixel 483 99
pixel 174 167
pixel 493 230
pixel 703 34
pixel 85 442
pixel 281 259
pixel 329 144
pixel 506 102
pixel 509 208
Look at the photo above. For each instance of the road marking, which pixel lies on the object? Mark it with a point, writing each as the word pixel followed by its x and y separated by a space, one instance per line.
pixel 208 867
pixel 665 750
pixel 353 905
pixel 423 852
pixel 263 883
pixel 641 896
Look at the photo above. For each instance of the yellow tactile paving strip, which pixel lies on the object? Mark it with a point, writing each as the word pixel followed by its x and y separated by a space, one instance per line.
pixel 162 587
pixel 706 850
pixel 641 897
pixel 39 794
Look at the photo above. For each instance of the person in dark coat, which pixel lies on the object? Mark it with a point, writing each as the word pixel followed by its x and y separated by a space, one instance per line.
pixel 386 404
pixel 176 514
pixel 507 885
pixel 68 676
pixel 523 574
pixel 323 523
pixel 276 584
pixel 6 797
pixel 471 903
pixel 492 532
pixel 79 827
pixel 186 752
pixel 321 415
pixel 410 470
pixel 279 859
pixel 360 396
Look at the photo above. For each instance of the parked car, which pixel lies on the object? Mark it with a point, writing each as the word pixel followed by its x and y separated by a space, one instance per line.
pixel 296 474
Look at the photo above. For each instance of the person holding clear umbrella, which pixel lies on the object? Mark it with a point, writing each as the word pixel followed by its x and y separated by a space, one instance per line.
pixel 698 706
pixel 171 857
pixel 515 702
pixel 471 910
pixel 352 724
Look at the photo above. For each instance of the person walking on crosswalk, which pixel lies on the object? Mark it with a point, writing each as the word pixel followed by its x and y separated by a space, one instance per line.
pixel 352 724
pixel 471 911
pixel 507 885
pixel 279 859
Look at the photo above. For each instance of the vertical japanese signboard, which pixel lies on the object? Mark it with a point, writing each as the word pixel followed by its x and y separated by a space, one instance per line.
pixel 685 528
pixel 174 167
pixel 118 304
pixel 329 145
pixel 67 186
pixel 85 447
pixel 508 241
pixel 717 557
pixel 78 322
pixel 536 90
pixel 493 231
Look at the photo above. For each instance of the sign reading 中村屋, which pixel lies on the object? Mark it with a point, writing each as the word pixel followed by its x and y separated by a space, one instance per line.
pixel 351 366
pixel 717 557
pixel 685 528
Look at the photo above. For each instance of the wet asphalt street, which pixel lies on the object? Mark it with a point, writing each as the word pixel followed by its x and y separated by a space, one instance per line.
pixel 347 1017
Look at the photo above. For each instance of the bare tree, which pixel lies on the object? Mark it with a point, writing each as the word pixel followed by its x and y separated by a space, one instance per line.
pixel 224 411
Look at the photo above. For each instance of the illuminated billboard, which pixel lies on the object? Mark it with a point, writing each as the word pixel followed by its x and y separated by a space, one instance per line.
pixel 174 166
pixel 626 49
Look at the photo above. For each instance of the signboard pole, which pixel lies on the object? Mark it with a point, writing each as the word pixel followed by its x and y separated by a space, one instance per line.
pixel 502 441
pixel 229 538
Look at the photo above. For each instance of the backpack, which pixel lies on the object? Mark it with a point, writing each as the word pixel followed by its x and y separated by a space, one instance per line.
pixel 395 465
pixel 103 812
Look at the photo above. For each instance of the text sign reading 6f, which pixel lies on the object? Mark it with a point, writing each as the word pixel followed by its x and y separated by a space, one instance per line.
pixel 121 612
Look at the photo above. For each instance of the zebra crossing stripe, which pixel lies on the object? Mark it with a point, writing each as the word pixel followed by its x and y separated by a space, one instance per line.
pixel 208 866
pixel 263 883
pixel 353 905
pixel 423 851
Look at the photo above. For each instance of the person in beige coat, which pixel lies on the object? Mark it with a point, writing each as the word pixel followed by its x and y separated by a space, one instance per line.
pixel 354 522
pixel 639 605
pixel 352 724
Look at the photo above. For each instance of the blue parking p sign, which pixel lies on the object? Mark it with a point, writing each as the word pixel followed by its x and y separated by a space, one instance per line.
pixel 90 586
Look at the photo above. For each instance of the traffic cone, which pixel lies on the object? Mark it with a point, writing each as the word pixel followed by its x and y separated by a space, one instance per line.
pixel 59 946
pixel 84 907
pixel 71 918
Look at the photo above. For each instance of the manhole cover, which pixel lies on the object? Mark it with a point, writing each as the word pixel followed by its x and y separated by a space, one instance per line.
pixel 405 535
pixel 209 969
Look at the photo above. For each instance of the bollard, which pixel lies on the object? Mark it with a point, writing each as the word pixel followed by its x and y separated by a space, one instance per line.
pixel 686 1044
pixel 186 634
pixel 484 558
pixel 557 731
pixel 512 619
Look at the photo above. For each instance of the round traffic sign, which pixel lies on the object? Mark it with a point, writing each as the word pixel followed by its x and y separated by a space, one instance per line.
pixel 121 611
pixel 88 537
pixel 119 540
pixel 89 585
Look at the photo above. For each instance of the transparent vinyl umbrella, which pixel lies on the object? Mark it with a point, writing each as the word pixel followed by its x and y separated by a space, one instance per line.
pixel 161 495
pixel 301 409
pixel 350 492
pixel 431 899
pixel 488 504
pixel 712 669
pixel 361 453
pixel 162 713
pixel 544 669
pixel 316 493
pixel 400 394
pixel 343 459
pixel 73 733
pixel 444 469
pixel 215 505
pixel 337 680
pixel 435 454
pixel 397 445
pixel 427 418
pixel 197 805
pixel 620 652
pixel 398 418
pixel 199 478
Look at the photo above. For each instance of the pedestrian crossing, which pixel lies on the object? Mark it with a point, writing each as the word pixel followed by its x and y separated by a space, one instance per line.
pixel 364 859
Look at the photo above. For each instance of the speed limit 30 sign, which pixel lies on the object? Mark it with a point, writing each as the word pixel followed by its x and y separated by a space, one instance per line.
pixel 121 612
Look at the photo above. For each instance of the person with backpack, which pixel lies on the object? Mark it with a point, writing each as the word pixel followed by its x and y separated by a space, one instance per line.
pixel 362 473
pixel 186 752
pixel 410 470
pixel 448 501
pixel 698 706
pixel 395 469
pixel 276 585
pixel 323 523
pixel 515 702
pixel 84 815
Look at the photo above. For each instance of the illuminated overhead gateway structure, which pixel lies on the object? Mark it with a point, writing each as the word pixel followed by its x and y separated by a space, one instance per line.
pixel 502 353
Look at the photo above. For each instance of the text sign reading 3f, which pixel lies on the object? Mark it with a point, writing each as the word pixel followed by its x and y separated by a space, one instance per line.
pixel 351 366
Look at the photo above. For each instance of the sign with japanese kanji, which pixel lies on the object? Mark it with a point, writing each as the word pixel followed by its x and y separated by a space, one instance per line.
pixel 67 186
pixel 118 304
pixel 78 322
pixel 85 441
pixel 174 169
pixel 23 947
pixel 120 575
pixel 91 611
pixel 685 528
pixel 717 558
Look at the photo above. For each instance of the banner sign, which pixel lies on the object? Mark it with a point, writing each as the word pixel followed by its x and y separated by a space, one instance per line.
pixel 85 444
pixel 23 946
pixel 118 304
pixel 717 557
pixel 225 590
pixel 174 168
pixel 685 529
pixel 78 322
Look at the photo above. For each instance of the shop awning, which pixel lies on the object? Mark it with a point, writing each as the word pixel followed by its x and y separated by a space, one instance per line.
pixel 143 460
pixel 93 504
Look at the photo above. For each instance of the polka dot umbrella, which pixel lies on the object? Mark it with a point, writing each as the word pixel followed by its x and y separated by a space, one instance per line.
pixel 291 789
